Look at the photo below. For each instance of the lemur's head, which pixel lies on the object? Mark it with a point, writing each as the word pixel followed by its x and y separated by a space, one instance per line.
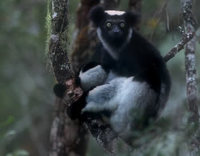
pixel 113 27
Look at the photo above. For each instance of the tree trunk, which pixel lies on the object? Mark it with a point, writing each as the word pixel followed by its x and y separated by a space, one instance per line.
pixel 190 64
pixel 67 137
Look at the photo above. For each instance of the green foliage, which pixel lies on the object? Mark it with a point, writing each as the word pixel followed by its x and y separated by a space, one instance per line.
pixel 25 86
pixel 48 25
pixel 19 153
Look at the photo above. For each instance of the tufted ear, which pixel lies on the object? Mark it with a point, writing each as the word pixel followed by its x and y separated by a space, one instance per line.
pixel 132 18
pixel 96 15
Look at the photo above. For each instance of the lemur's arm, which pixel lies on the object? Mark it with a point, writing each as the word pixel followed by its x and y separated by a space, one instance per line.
pixel 92 75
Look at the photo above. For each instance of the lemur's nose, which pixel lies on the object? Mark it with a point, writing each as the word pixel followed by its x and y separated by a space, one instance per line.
pixel 116 29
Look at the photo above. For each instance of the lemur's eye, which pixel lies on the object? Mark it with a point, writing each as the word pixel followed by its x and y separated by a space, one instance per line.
pixel 108 25
pixel 122 25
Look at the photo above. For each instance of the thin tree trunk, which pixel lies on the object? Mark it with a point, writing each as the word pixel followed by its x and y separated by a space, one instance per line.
pixel 67 137
pixel 190 64
pixel 85 37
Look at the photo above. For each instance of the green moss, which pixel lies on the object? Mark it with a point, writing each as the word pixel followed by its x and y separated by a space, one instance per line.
pixel 48 25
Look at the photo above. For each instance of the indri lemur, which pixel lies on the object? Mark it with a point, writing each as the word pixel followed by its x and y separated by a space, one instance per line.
pixel 130 84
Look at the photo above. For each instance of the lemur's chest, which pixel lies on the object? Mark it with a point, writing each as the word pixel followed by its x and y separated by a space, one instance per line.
pixel 125 67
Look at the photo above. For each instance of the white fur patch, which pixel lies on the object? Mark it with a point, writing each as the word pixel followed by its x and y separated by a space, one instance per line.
pixel 93 77
pixel 114 12
pixel 111 50
pixel 132 98
pixel 125 98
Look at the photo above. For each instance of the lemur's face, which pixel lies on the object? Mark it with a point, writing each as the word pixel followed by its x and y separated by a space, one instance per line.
pixel 113 27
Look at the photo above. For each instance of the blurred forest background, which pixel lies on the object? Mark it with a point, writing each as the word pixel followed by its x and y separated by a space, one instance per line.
pixel 26 81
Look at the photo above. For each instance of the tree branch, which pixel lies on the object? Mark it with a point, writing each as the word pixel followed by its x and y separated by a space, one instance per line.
pixel 179 46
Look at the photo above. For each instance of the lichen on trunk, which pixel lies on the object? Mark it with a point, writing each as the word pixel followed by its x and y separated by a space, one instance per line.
pixel 190 62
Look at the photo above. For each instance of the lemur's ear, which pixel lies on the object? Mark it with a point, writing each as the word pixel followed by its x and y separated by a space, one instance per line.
pixel 96 15
pixel 132 18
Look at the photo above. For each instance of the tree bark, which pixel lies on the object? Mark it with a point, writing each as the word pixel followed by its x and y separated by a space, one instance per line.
pixel 178 47
pixel 85 37
pixel 67 137
pixel 190 64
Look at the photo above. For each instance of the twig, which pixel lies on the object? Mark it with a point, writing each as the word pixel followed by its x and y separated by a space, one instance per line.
pixel 179 46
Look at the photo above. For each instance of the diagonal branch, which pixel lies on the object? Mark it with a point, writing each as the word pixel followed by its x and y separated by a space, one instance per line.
pixel 179 46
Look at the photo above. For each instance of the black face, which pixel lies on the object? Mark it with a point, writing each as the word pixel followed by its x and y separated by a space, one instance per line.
pixel 115 30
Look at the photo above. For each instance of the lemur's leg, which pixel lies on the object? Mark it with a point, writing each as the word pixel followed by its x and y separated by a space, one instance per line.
pixel 122 100
pixel 102 98
pixel 134 100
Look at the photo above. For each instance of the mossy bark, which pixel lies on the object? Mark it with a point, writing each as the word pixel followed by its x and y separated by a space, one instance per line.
pixel 67 137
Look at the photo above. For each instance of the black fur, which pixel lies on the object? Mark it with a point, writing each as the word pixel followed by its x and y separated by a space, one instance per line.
pixel 74 111
pixel 97 15
pixel 141 59
pixel 138 58
pixel 59 90
pixel 88 66
pixel 132 18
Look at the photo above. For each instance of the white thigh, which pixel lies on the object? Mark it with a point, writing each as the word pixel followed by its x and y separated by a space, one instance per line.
pixel 133 97
pixel 104 97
